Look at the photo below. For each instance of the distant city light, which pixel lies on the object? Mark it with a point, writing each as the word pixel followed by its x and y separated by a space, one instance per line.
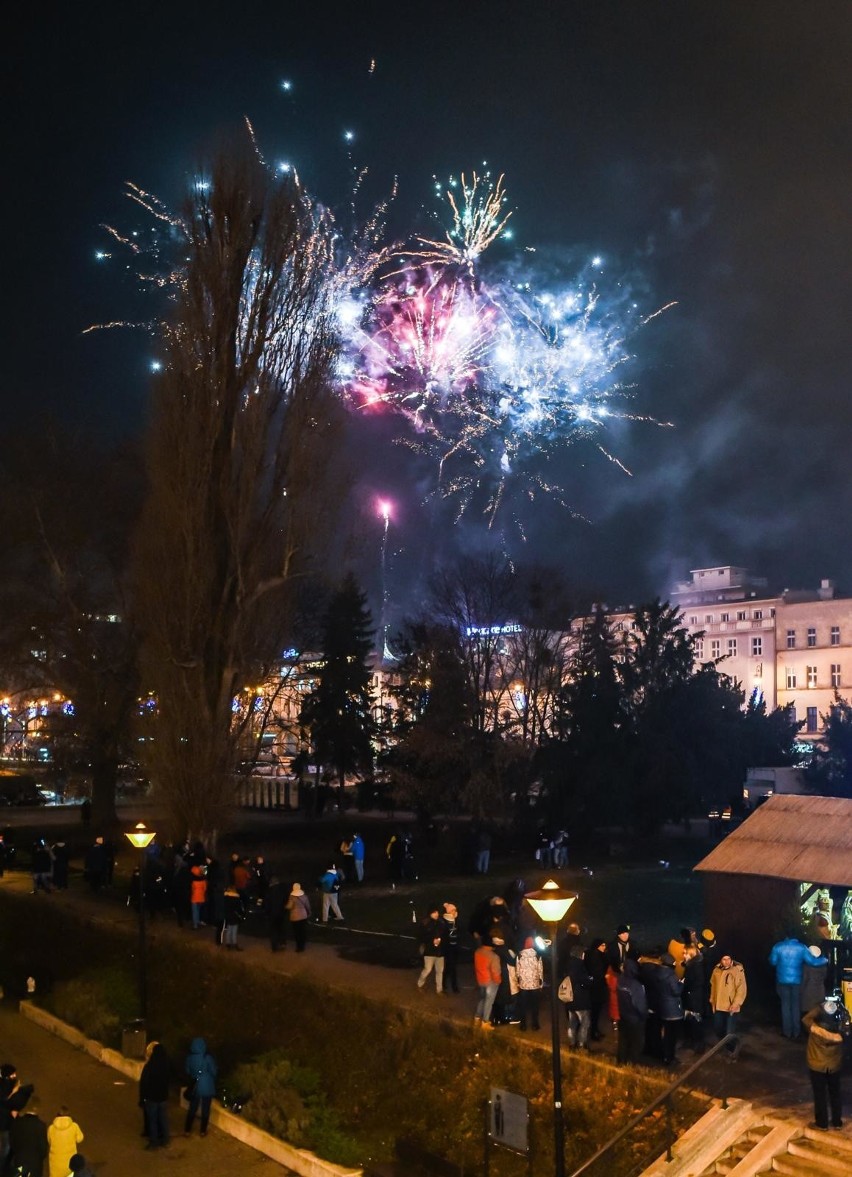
pixel 156 366
pixel 348 136
pixel 287 86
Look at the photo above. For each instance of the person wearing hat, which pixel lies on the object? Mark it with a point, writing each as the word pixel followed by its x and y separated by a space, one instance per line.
pixel 619 949
pixel 299 911
pixel 826 1024
pixel 789 958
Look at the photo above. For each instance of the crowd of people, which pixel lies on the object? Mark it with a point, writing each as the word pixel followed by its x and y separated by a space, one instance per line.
pixel 27 1141
pixel 654 999
pixel 202 893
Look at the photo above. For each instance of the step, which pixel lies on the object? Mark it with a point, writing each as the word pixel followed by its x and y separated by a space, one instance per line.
pixel 822 1154
pixel 835 1141
pixel 793 1167
pixel 717 1130
pixel 774 1140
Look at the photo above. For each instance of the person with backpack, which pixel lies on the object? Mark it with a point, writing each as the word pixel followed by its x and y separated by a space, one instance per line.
pixel 575 992
pixel 329 885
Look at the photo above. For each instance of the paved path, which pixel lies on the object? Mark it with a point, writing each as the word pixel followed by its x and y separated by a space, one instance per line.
pixel 104 1104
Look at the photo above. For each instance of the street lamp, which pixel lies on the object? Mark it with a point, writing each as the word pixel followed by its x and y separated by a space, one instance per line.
pixel 141 838
pixel 550 904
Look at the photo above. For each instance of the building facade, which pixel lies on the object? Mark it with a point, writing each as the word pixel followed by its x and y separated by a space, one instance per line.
pixel 793 649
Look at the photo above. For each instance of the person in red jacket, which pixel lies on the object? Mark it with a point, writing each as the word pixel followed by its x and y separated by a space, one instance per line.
pixel 486 966
pixel 198 892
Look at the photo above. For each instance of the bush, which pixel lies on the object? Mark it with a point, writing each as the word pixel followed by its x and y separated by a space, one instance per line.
pixel 99 1003
pixel 288 1101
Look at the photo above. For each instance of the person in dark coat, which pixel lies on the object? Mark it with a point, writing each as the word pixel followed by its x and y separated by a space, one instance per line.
pixel 60 865
pixel 28 1138
pixel 595 960
pixel 632 1013
pixel 578 1009
pixel 275 910
pixel 694 998
pixel 670 1007
pixel 96 865
pixel 154 1095
pixel 650 967
pixel 619 949
pixel 202 1070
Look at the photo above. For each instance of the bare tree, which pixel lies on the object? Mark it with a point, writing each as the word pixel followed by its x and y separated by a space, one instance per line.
pixel 240 464
pixel 64 619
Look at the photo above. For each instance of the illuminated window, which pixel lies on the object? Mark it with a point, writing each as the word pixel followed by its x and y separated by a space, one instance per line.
pixel 812 676
pixel 835 635
pixel 812 719
pixel 835 674
pixel 791 679
pixel 757 647
pixel 811 636
pixel 791 639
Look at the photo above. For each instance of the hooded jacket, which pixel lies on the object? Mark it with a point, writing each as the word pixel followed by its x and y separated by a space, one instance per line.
pixel 201 1069
pixel 63 1136
pixel 825 1042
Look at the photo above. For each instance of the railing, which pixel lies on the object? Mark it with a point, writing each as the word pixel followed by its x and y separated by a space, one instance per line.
pixel 662 1100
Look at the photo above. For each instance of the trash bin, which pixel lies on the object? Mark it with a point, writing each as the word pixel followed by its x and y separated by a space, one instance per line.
pixel 133 1040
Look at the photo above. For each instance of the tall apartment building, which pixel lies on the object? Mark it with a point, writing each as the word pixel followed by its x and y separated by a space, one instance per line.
pixel 794 648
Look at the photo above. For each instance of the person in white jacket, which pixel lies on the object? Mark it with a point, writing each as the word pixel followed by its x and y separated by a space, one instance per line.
pixel 530 974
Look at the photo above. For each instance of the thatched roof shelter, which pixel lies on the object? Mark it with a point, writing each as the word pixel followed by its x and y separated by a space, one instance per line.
pixel 799 838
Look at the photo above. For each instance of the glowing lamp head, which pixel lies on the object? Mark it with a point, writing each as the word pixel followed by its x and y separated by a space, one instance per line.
pixel 551 903
pixel 140 837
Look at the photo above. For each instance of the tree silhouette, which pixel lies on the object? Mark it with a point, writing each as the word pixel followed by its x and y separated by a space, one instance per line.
pixel 338 711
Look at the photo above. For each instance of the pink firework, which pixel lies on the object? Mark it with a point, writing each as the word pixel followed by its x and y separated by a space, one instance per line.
pixel 423 348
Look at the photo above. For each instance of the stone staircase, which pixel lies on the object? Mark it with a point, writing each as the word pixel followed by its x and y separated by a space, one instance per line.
pixel 743 1141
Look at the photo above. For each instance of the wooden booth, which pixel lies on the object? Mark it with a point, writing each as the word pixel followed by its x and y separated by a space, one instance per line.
pixel 789 865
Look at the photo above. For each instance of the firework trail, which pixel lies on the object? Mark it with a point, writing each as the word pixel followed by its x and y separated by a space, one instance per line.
pixel 478 219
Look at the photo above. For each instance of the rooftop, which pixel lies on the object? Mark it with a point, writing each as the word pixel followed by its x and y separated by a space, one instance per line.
pixel 801 838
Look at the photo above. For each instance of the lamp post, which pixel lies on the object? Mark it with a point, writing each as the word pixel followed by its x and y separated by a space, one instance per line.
pixel 550 905
pixel 141 838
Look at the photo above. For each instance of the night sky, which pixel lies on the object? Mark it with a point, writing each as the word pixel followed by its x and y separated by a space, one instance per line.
pixel 702 150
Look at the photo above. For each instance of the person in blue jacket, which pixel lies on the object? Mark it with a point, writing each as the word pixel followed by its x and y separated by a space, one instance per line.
pixel 789 957
pixel 201 1069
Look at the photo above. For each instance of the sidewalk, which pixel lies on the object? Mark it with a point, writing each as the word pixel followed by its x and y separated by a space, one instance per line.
pixel 770 1072
pixel 104 1104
